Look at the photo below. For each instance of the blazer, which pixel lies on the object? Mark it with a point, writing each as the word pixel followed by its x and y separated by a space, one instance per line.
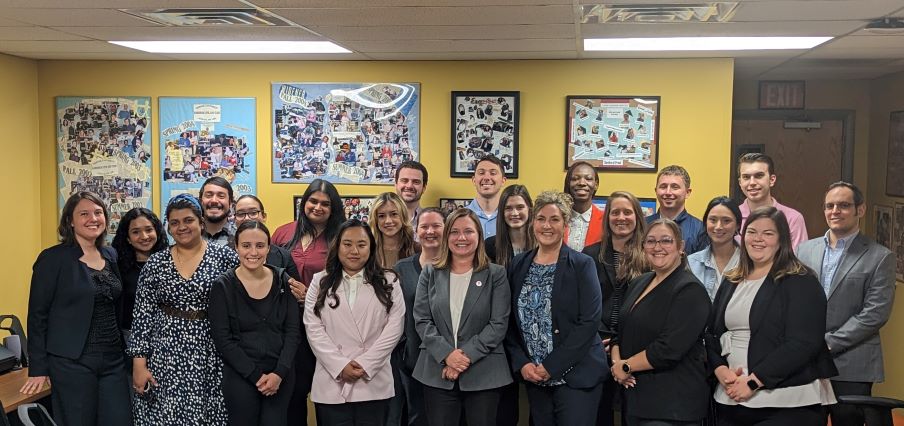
pixel 366 334
pixel 577 354
pixel 409 272
pixel 248 343
pixel 594 232
pixel 605 273
pixel 787 322
pixel 481 329
pixel 281 258
pixel 861 296
pixel 61 304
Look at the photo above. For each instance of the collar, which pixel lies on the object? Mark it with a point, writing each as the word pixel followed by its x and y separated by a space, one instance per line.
pixel 358 276
pixel 584 216
pixel 843 243
pixel 678 219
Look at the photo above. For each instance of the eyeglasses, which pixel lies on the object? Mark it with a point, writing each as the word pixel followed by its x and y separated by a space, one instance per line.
pixel 253 214
pixel 841 206
pixel 664 243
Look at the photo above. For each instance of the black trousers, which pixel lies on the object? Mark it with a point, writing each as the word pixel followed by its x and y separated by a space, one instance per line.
pixel 414 399
pixel 445 407
pixel 846 414
pixel 90 390
pixel 247 406
pixel 739 415
pixel 507 414
pixel 563 405
pixel 605 415
pixel 304 376
pixel 364 413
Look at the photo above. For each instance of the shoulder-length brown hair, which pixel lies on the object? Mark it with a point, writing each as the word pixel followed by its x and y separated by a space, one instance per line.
pixel 784 263
pixel 481 260
pixel 504 252
pixel 675 229
pixel 634 261
pixel 407 246
pixel 66 231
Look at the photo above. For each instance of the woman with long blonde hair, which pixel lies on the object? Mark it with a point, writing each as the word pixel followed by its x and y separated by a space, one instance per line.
pixel 392 230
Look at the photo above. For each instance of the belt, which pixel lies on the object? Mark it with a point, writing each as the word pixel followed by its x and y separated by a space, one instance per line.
pixel 179 313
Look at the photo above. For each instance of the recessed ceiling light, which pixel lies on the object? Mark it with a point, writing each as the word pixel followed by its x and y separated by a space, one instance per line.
pixel 234 46
pixel 701 43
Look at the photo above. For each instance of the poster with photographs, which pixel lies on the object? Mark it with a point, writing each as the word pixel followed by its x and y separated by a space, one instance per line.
pixel 205 137
pixel 894 162
pixel 484 123
pixel 349 133
pixel 613 133
pixel 356 206
pixel 883 223
pixel 448 205
pixel 898 241
pixel 647 205
pixel 103 147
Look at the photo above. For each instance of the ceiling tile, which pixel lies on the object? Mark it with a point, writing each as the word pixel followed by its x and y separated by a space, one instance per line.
pixel 715 29
pixel 460 45
pixel 446 32
pixel 355 4
pixel 814 10
pixel 76 17
pixel 35 33
pixel 194 33
pixel 4 22
pixel 123 4
pixel 483 15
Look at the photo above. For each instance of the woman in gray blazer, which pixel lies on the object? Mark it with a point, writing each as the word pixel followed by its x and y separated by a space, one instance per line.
pixel 461 311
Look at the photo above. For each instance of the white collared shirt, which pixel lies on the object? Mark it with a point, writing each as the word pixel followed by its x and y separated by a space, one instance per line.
pixel 351 284
pixel 577 229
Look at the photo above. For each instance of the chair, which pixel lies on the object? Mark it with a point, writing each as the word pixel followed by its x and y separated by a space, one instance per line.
pixel 34 414
pixel 876 410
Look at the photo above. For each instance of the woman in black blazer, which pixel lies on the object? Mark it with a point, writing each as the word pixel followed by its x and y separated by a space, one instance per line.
pixel 765 340
pixel 255 325
pixel 658 355
pixel 552 339
pixel 73 328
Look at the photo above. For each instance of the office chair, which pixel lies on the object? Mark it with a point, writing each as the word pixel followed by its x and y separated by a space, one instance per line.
pixel 34 414
pixel 876 410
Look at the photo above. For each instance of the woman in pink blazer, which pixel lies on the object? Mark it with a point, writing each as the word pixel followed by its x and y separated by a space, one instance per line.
pixel 354 315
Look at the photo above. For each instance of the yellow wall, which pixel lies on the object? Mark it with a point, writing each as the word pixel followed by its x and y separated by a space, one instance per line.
pixel 21 214
pixel 885 96
pixel 695 125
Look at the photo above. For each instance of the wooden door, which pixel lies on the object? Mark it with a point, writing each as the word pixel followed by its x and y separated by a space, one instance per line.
pixel 806 162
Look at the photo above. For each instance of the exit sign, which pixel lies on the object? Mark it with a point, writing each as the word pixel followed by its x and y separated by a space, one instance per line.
pixel 782 94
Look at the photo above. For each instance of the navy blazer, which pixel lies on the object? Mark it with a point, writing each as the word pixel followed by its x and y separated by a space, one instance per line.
pixel 61 304
pixel 787 328
pixel 577 353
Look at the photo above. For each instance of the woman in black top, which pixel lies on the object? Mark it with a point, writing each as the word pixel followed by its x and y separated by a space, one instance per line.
pixel 658 356
pixel 74 338
pixel 139 235
pixel 255 326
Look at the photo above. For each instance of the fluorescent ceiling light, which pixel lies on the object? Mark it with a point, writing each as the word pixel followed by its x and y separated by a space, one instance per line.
pixel 234 46
pixel 701 43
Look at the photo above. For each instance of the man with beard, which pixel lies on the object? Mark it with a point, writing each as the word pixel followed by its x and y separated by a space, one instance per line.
pixel 673 187
pixel 410 184
pixel 216 201
pixel 489 176
pixel 586 225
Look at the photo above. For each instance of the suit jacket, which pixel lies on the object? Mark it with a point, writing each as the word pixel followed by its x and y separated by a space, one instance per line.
pixel 787 322
pixel 577 354
pixel 481 329
pixel 605 273
pixel 861 296
pixel 409 271
pixel 61 304
pixel 366 334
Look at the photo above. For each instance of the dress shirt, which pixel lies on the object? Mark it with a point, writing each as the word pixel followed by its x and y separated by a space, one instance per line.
pixel 351 284
pixel 487 222
pixel 691 228
pixel 577 229
pixel 832 258
pixel 795 222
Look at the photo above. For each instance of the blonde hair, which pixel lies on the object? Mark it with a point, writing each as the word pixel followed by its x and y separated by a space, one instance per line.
pixel 561 200
pixel 481 260
pixel 407 246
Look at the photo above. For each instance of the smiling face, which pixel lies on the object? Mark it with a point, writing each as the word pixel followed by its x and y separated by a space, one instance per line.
pixel 721 225
pixel 215 203
pixel 184 227
pixel 354 249
pixel 463 238
pixel 389 220
pixel 515 212
pixel 488 179
pixel 248 209
pixel 317 208
pixel 755 180
pixel 621 216
pixel 583 183
pixel 842 216
pixel 410 185
pixel 430 230
pixel 549 226
pixel 142 235
pixel 252 247
pixel 761 240
pixel 88 221
pixel 662 248
pixel 672 192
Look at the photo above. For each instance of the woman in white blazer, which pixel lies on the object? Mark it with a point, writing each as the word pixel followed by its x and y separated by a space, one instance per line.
pixel 354 316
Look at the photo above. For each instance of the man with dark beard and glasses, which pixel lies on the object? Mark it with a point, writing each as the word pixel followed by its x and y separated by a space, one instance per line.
pixel 216 201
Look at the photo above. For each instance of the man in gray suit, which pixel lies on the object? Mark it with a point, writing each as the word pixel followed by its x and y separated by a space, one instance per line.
pixel 858 276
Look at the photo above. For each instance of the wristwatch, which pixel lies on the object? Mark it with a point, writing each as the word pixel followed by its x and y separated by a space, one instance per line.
pixel 625 367
pixel 753 385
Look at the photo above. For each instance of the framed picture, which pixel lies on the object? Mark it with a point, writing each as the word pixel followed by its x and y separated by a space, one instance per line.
pixel 356 206
pixel 884 225
pixel 898 241
pixel 484 123
pixel 450 204
pixel 894 162
pixel 648 205
pixel 619 133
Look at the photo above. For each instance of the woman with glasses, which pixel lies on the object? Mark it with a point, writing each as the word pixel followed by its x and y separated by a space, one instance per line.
pixel 250 208
pixel 658 356
pixel 766 337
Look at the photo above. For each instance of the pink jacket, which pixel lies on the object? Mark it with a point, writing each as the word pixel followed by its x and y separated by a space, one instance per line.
pixel 366 334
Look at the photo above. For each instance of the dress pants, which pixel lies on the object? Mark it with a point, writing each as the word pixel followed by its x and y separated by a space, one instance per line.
pixel 445 407
pixel 414 399
pixel 90 390
pixel 397 407
pixel 304 376
pixel 364 413
pixel 247 406
pixel 562 405
pixel 846 414
pixel 507 414
pixel 739 415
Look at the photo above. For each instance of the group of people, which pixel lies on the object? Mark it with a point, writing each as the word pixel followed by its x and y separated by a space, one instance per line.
pixel 419 317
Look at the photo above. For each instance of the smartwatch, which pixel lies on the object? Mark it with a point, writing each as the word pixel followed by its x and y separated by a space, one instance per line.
pixel 625 367
pixel 753 385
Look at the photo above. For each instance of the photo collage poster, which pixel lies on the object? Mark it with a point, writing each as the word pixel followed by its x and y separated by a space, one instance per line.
pixel 898 241
pixel 449 205
pixel 103 147
pixel 484 123
pixel 613 133
pixel 205 137
pixel 345 133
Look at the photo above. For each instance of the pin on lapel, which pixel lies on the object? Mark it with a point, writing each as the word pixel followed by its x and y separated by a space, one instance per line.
pixel 478 283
